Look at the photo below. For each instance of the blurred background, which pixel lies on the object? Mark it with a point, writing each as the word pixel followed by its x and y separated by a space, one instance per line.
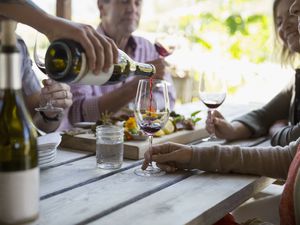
pixel 231 37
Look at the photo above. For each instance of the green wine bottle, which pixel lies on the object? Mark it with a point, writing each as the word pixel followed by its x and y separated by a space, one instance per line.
pixel 65 61
pixel 19 172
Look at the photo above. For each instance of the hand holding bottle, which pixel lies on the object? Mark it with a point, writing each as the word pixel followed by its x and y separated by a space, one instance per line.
pixel 101 51
pixel 66 61
pixel 160 67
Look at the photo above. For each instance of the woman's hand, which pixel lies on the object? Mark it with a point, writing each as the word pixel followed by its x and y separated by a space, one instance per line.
pixel 277 126
pixel 216 123
pixel 169 156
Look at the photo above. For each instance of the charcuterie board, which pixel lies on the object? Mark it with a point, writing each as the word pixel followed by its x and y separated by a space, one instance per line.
pixel 133 149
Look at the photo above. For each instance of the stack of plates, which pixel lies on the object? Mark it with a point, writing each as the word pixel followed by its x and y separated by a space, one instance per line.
pixel 47 146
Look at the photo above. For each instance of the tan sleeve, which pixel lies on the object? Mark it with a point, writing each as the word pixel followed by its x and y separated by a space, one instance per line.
pixel 265 161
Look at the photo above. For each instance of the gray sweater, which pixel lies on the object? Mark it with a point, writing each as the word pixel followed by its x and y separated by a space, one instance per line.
pixel 281 107
pixel 265 161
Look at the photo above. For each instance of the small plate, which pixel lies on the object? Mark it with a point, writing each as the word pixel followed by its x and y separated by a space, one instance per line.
pixel 86 125
pixel 47 160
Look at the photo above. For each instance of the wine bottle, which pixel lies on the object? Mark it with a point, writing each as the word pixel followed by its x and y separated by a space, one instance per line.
pixel 66 61
pixel 19 172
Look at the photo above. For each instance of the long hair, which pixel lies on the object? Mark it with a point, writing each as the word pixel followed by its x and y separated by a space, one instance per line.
pixel 286 55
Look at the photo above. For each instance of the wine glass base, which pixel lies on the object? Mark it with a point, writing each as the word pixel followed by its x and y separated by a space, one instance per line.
pixel 210 138
pixel 49 109
pixel 152 172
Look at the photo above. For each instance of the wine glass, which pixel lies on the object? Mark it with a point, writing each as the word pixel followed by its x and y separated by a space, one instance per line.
pixel 39 52
pixel 166 38
pixel 152 109
pixel 212 92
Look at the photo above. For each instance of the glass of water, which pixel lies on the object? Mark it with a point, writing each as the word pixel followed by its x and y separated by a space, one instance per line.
pixel 109 146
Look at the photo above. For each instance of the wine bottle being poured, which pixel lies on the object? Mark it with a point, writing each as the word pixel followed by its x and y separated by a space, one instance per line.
pixel 65 61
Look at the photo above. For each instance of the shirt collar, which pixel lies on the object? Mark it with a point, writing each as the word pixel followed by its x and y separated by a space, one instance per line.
pixel 131 45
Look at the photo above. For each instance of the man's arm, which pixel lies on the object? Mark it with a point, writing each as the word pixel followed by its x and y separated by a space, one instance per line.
pixel 101 51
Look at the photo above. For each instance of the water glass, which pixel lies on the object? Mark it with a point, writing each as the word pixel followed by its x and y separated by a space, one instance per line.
pixel 109 146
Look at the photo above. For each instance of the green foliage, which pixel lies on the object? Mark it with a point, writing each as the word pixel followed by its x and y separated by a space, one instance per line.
pixel 240 35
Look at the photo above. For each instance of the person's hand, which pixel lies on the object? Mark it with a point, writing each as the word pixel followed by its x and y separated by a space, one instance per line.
pixel 278 125
pixel 160 66
pixel 216 123
pixel 101 51
pixel 169 156
pixel 58 93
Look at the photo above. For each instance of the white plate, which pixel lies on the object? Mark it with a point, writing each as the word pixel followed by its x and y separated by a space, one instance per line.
pixel 84 124
pixel 43 154
pixel 48 160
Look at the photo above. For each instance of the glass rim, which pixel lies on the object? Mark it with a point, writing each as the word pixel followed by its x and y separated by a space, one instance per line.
pixel 107 127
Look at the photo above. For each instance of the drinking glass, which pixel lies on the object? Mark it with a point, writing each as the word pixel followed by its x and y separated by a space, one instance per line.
pixel 152 109
pixel 212 92
pixel 39 52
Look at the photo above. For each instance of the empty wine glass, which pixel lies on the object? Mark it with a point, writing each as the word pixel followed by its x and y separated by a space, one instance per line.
pixel 39 52
pixel 152 109
pixel 212 92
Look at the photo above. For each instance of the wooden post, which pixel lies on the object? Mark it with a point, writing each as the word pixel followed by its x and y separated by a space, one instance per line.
pixel 64 8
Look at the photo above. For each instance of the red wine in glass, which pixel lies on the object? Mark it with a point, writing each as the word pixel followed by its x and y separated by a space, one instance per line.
pixel 162 51
pixel 212 92
pixel 149 128
pixel 152 109
pixel 213 104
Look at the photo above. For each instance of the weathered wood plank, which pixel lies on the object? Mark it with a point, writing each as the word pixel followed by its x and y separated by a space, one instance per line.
pixel 73 174
pixel 195 200
pixel 101 197
pixel 65 156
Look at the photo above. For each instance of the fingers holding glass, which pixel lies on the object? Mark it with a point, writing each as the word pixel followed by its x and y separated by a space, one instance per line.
pixel 212 93
pixel 152 109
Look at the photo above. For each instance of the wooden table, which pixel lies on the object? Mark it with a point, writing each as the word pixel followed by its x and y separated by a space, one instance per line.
pixel 74 191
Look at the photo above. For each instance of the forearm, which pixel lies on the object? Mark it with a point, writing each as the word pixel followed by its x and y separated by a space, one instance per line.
pixel 12 9
pixel 286 135
pixel 240 131
pixel 262 161
pixel 117 99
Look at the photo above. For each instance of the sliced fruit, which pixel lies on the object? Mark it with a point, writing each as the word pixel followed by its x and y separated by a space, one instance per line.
pixel 159 133
pixel 169 127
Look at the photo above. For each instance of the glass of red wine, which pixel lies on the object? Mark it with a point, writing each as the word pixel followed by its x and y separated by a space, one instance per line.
pixel 39 52
pixel 212 92
pixel 163 51
pixel 152 109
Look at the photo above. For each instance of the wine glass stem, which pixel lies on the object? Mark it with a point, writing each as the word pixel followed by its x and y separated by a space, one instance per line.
pixel 150 166
pixel 211 112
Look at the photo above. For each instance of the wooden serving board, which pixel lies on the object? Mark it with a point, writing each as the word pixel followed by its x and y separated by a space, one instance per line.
pixel 132 149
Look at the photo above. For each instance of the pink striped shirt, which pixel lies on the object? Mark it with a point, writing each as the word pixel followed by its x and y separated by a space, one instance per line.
pixel 85 97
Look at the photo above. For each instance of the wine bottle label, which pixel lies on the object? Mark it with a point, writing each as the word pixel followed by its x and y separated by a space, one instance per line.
pixel 9 66
pixel 19 196
pixel 89 78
